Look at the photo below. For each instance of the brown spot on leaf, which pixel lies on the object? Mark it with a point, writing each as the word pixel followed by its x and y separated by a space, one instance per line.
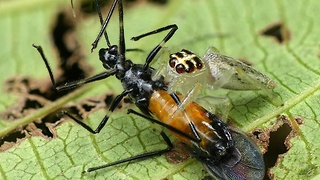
pixel 178 154
pixel 277 31
pixel 245 61
pixel 299 120
pixel 263 138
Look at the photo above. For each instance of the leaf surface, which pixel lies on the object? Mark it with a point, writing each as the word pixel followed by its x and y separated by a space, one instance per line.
pixel 234 27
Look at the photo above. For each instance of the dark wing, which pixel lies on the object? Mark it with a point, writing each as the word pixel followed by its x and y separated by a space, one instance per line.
pixel 244 162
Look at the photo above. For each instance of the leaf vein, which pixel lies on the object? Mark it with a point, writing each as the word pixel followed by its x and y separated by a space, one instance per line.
pixel 38 158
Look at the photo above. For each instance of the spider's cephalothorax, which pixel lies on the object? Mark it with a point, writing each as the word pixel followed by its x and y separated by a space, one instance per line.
pixel 185 62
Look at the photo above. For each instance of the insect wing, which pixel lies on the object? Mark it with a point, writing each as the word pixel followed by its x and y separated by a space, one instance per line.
pixel 245 162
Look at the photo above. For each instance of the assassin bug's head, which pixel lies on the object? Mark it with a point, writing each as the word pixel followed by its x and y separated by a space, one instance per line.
pixel 109 56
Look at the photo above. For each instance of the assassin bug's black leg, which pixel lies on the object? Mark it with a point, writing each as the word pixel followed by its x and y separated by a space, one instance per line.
pixel 138 157
pixel 104 121
pixel 113 105
pixel 73 84
pixel 173 129
pixel 156 50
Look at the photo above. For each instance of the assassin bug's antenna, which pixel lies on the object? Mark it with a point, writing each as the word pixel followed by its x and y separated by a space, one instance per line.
pixel 122 45
pixel 72 6
pixel 100 17
pixel 107 19
pixel 104 23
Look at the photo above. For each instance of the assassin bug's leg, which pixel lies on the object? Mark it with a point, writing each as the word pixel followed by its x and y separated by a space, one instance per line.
pixel 103 122
pixel 138 157
pixel 74 84
pixel 196 137
pixel 156 50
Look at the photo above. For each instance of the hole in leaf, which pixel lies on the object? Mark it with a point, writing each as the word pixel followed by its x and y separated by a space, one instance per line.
pixel 92 104
pixel 32 104
pixel 48 123
pixel 35 92
pixel 278 31
pixel 12 137
pixel 108 100
pixel 71 63
pixel 276 145
pixel 61 29
pixel 88 107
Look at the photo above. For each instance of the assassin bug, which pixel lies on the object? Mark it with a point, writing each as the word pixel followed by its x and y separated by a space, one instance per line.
pixel 224 151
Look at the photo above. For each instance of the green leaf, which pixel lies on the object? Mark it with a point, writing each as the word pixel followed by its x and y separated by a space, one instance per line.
pixel 234 27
